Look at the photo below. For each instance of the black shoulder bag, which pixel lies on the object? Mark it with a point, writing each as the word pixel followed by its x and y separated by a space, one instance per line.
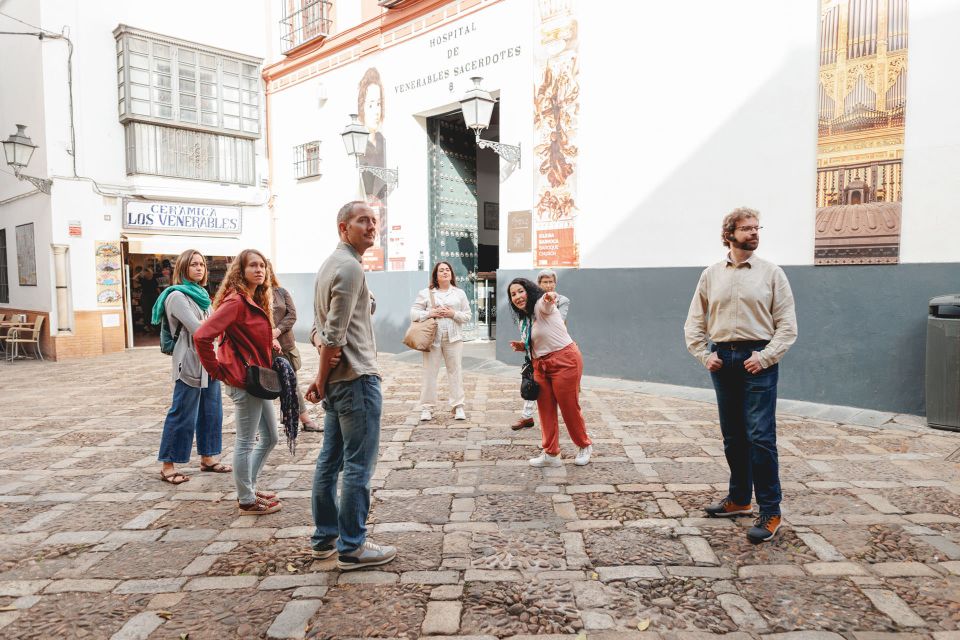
pixel 262 382
pixel 529 389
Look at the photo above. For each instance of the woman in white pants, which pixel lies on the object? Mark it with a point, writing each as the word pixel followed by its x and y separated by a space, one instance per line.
pixel 451 308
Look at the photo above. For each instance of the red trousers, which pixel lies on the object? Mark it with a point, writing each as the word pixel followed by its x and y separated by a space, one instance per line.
pixel 558 375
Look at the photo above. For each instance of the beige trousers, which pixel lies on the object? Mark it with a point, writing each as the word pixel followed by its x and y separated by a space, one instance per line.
pixel 451 353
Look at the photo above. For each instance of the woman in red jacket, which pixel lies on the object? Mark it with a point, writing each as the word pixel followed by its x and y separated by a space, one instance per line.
pixel 242 317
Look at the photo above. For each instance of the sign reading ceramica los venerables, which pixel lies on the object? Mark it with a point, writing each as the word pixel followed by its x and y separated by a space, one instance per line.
pixel 182 217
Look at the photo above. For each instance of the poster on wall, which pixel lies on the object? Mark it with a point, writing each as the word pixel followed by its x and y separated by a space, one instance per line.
pixel 862 104
pixel 108 273
pixel 370 109
pixel 26 255
pixel 556 104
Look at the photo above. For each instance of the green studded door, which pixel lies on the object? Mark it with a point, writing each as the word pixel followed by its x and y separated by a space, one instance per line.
pixel 453 203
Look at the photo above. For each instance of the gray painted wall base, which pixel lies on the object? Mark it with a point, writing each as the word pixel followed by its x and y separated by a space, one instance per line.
pixel 862 329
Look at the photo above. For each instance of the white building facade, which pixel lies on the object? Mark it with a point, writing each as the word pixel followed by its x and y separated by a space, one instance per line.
pixel 639 127
pixel 149 125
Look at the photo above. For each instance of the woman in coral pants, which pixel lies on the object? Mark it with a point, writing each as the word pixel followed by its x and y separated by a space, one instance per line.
pixel 557 366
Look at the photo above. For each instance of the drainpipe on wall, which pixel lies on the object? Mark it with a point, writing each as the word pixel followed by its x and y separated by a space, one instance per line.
pixel 63 291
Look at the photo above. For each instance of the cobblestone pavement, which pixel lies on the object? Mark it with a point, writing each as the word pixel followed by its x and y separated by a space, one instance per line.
pixel 93 545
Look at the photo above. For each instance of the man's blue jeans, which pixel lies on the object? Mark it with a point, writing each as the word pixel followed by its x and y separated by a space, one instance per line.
pixel 193 410
pixel 748 405
pixel 351 441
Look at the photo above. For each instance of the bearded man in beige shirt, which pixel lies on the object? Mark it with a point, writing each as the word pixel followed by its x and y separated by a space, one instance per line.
pixel 743 305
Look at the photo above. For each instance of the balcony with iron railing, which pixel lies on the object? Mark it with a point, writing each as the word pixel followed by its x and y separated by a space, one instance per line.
pixel 310 22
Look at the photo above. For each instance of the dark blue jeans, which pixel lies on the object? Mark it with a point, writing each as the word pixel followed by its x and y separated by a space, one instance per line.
pixel 748 405
pixel 351 441
pixel 193 410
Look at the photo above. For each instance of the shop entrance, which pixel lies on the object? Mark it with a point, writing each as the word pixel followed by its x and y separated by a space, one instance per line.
pixel 145 276
pixel 464 212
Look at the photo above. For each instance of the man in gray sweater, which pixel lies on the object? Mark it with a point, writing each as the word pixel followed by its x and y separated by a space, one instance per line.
pixel 350 391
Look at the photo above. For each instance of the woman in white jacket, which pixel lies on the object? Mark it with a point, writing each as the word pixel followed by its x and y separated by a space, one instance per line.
pixel 451 309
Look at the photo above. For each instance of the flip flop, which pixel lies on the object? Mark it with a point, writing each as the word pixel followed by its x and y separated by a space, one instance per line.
pixel 218 467
pixel 172 478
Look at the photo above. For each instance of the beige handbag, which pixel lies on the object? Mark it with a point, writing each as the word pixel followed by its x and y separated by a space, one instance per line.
pixel 420 335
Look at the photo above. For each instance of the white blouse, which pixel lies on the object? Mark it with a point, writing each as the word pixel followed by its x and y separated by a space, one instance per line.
pixel 448 328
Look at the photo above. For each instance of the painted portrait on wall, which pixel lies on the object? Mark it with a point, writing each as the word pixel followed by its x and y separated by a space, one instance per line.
pixel 370 108
pixel 862 104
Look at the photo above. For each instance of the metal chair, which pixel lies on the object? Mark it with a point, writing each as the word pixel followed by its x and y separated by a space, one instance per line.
pixel 16 337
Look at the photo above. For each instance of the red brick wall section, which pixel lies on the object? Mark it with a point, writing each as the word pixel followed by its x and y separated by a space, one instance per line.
pixel 89 337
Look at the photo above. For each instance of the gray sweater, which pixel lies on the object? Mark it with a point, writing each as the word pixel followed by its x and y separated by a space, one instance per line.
pixel 182 311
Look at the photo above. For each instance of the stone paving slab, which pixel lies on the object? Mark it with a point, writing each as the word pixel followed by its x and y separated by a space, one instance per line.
pixel 96 546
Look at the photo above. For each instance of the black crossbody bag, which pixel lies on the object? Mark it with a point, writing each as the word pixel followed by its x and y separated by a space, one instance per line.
pixel 529 389
pixel 261 382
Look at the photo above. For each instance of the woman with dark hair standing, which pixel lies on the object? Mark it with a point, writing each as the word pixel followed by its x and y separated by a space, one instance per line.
pixel 196 406
pixel 284 317
pixel 447 303
pixel 242 317
pixel 557 368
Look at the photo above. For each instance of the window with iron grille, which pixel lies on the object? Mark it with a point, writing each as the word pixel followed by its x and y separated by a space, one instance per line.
pixel 4 286
pixel 184 153
pixel 177 83
pixel 306 160
pixel 303 21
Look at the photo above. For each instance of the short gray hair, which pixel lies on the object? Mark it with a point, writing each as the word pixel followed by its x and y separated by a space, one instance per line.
pixel 547 273
pixel 346 211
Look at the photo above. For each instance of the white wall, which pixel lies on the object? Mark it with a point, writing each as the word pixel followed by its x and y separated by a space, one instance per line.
pixel 691 109
pixel 931 155
pixel 21 102
pixel 306 210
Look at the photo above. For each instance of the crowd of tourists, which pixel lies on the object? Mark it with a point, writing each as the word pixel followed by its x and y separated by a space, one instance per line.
pixel 740 323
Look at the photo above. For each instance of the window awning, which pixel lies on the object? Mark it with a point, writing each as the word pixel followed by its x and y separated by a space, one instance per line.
pixel 159 244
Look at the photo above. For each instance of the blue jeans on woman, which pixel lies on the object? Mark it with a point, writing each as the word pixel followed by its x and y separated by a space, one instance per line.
pixel 254 416
pixel 193 410
pixel 351 440
pixel 748 404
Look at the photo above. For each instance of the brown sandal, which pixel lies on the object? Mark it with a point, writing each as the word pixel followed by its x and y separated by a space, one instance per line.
pixel 258 508
pixel 217 467
pixel 172 478
pixel 266 495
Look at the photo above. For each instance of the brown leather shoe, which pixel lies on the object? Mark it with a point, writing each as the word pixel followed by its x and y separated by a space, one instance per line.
pixel 522 423
pixel 727 509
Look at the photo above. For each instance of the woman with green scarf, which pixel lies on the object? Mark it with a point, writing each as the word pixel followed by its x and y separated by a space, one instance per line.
pixel 196 406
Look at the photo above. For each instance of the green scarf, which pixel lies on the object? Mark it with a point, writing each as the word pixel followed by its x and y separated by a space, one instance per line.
pixel 197 293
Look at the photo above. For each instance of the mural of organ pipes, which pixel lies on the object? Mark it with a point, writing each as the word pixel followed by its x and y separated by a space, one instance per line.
pixel 862 104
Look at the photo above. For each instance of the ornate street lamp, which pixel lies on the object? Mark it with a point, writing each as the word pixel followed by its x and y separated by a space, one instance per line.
pixel 355 138
pixel 18 149
pixel 477 106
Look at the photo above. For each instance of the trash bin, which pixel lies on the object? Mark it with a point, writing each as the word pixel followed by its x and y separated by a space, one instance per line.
pixel 943 363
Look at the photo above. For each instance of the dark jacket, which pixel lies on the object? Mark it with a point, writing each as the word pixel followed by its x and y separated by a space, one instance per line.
pixel 247 340
pixel 284 317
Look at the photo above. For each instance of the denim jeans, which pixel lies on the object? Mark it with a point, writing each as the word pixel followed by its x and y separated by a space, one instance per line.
pixel 748 403
pixel 193 410
pixel 254 416
pixel 351 441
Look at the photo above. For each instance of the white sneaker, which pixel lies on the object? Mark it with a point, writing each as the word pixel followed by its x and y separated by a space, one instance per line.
pixel 583 455
pixel 458 414
pixel 546 460
pixel 425 415
pixel 367 555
